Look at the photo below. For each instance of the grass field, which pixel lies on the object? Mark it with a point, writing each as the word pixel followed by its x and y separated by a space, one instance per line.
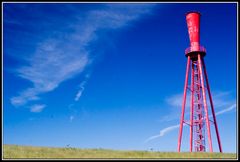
pixel 16 151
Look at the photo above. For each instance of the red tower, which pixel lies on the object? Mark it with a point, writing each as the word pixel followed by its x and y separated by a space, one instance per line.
pixel 199 91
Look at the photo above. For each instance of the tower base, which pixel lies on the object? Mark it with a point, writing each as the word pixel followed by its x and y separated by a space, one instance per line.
pixel 199 114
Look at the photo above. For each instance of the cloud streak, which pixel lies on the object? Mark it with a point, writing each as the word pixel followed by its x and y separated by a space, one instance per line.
pixel 82 87
pixel 162 132
pixel 226 110
pixel 64 53
pixel 176 100
pixel 173 127
pixel 221 99
pixel 37 108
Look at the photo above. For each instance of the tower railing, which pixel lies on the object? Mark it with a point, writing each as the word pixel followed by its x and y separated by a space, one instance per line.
pixel 191 49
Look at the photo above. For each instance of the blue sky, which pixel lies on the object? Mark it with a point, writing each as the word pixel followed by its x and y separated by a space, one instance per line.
pixel 111 75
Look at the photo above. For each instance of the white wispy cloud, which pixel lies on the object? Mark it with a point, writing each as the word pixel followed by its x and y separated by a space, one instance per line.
pixel 173 127
pixel 176 100
pixel 27 95
pixel 218 97
pixel 82 87
pixel 64 53
pixel 71 118
pixel 162 132
pixel 226 110
pixel 37 108
pixel 221 99
pixel 79 93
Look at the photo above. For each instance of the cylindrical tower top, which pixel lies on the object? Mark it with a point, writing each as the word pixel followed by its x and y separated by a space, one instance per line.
pixel 193 24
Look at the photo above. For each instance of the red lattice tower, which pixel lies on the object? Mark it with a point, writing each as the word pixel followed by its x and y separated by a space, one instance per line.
pixel 199 115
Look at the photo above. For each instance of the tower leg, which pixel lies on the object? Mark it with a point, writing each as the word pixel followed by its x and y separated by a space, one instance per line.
pixel 183 104
pixel 211 103
pixel 205 103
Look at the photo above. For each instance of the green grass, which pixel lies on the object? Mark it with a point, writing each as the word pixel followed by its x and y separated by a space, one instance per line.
pixel 16 152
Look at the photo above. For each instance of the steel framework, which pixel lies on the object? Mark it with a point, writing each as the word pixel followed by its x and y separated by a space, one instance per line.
pixel 199 88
